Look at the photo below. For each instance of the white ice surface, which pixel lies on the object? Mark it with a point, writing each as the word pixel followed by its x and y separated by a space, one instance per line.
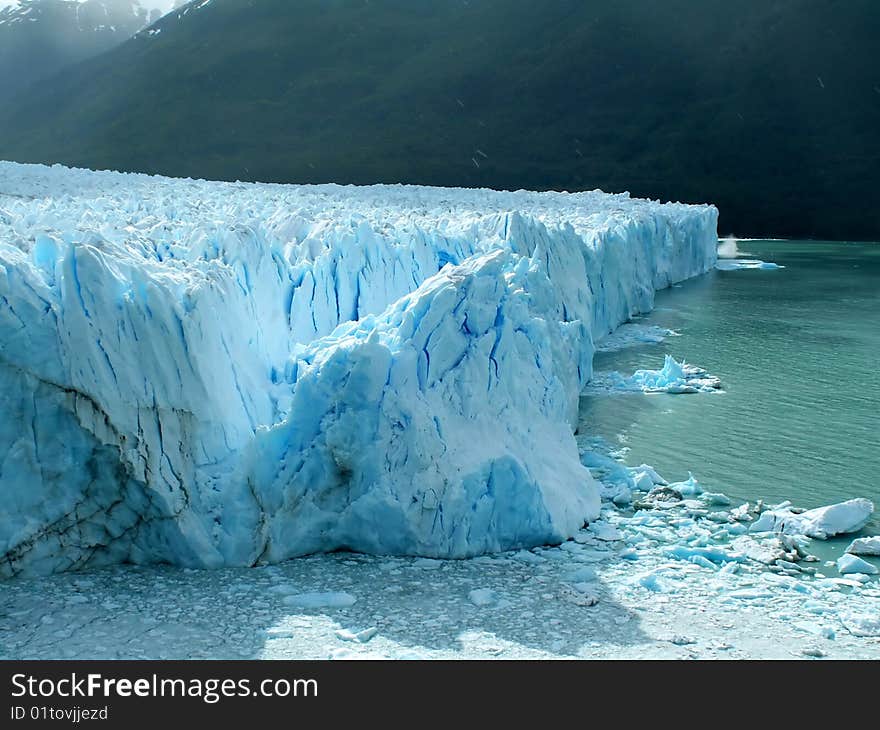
pixel 865 546
pixel 822 522
pixel 225 374
pixel 851 564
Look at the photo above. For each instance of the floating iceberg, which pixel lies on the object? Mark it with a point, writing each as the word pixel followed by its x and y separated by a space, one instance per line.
pixel 847 563
pixel 631 334
pixel 674 377
pixel 688 488
pixel 214 374
pixel 821 523
pixel 737 264
pixel 865 546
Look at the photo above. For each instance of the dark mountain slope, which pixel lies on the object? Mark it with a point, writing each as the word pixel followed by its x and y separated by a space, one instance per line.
pixel 38 38
pixel 769 109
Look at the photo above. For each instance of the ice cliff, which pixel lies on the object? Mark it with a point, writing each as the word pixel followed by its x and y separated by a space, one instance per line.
pixel 224 374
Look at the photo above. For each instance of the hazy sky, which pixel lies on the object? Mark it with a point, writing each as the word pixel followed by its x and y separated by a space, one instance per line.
pixel 163 5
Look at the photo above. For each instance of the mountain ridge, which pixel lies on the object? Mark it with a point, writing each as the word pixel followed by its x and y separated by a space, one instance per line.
pixel 39 38
pixel 769 113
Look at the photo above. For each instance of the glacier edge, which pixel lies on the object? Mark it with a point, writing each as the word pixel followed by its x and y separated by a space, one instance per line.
pixel 213 374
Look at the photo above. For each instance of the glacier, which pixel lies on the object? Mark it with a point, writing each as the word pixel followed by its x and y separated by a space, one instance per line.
pixel 226 374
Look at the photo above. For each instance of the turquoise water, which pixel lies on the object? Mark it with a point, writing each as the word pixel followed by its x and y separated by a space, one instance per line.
pixel 797 351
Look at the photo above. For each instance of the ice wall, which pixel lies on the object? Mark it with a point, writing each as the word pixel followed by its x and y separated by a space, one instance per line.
pixel 222 374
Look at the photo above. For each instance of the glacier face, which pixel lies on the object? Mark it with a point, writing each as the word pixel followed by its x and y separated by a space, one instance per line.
pixel 217 374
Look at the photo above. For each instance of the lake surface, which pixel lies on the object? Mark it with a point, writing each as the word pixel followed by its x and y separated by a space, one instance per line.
pixel 798 354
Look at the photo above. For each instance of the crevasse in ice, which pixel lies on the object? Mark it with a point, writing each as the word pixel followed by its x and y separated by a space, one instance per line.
pixel 224 374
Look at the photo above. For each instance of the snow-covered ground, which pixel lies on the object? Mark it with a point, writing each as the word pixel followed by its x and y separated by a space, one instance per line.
pixel 222 374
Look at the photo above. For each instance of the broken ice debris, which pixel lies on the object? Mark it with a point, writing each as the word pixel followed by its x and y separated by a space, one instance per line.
pixel 736 264
pixel 701 554
pixel 716 498
pixel 578 595
pixel 652 582
pixel 820 523
pixel 865 546
pixel 321 600
pixel 659 498
pixel 630 334
pixel 483 597
pixel 360 637
pixel 689 488
pixel 859 624
pixel 674 377
pixel 847 563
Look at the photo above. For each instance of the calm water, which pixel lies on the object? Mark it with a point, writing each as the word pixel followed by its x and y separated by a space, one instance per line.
pixel 797 351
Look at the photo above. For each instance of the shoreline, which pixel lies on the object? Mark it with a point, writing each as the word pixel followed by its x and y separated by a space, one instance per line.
pixel 615 591
pixel 406 609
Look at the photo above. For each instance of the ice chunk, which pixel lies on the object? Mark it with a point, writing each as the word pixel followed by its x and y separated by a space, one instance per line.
pixel 689 488
pixel 674 377
pixel 360 637
pixel 714 555
pixel 862 624
pixel 702 561
pixel 483 597
pixel 764 551
pixel 660 498
pixel 645 477
pixel 728 569
pixel 578 597
pixel 865 546
pixel 716 498
pixel 817 629
pixel 630 335
pixel 321 600
pixel 642 481
pixel 852 564
pixel 736 264
pixel 652 582
pixel 605 532
pixel 820 523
